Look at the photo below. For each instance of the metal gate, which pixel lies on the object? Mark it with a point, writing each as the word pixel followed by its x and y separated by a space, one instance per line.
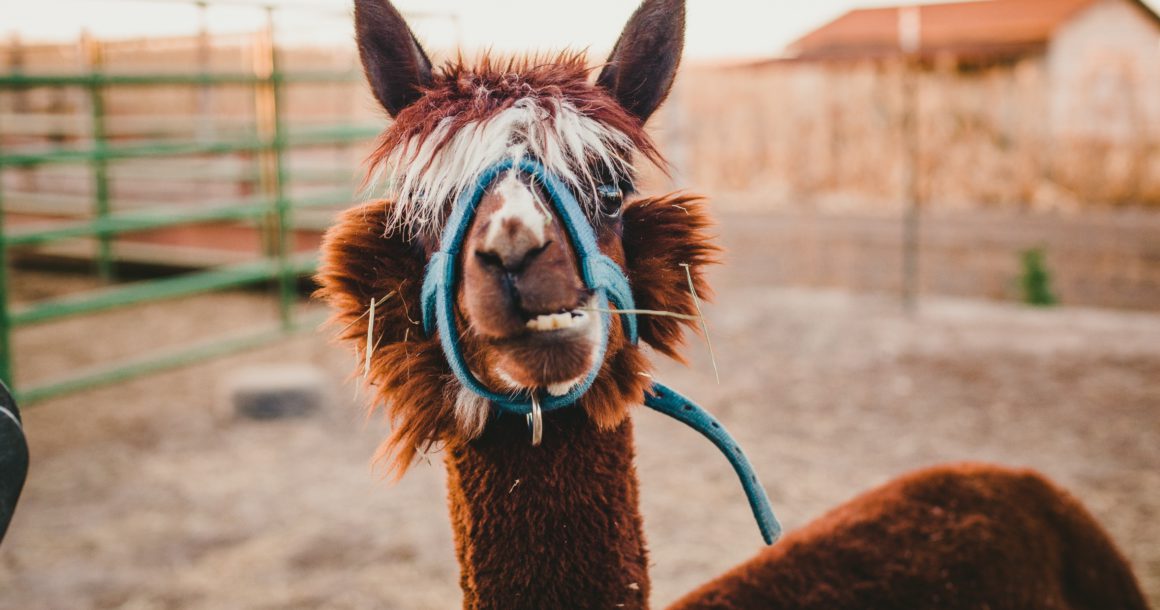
pixel 270 209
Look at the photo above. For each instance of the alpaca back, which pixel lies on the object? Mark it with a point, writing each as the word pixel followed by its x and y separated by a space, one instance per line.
pixel 959 537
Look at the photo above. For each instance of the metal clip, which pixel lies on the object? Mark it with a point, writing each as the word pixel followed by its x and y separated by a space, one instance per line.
pixel 536 421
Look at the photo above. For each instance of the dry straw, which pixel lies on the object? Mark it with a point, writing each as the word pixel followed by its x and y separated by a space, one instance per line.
pixel 704 325
pixel 700 318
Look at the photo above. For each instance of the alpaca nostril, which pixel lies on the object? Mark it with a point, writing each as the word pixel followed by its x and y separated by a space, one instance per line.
pixel 532 254
pixel 512 262
pixel 489 259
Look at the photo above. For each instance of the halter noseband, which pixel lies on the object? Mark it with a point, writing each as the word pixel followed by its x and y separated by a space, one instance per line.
pixel 601 275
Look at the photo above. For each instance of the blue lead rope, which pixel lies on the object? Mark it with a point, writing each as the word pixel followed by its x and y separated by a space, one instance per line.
pixel 664 400
pixel 605 278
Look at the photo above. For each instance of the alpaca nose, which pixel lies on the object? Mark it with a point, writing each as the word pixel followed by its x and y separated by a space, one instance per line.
pixel 512 257
pixel 515 233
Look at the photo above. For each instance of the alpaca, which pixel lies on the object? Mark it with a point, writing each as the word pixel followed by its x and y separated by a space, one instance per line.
pixel 550 519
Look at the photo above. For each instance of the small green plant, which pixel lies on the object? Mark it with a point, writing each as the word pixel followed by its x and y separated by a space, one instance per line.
pixel 1036 279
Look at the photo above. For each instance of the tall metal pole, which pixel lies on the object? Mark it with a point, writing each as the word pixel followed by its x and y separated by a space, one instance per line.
pixel 91 47
pixel 286 275
pixel 20 104
pixel 274 174
pixel 909 39
pixel 5 325
pixel 205 124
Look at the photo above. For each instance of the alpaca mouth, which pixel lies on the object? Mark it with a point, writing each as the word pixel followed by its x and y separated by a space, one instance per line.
pixel 565 320
pixel 562 324
pixel 554 350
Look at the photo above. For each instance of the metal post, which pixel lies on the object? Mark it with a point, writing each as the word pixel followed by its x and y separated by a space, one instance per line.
pixel 19 105
pixel 5 325
pixel 912 217
pixel 16 66
pixel 100 167
pixel 205 124
pixel 281 213
pixel 909 33
pixel 265 127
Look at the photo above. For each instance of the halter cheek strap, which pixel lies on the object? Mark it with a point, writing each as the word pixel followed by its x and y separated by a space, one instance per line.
pixel 601 275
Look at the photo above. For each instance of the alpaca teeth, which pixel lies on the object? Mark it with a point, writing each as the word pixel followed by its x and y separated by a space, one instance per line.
pixel 557 321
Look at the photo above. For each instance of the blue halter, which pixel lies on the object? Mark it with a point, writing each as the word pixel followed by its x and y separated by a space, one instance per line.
pixel 605 278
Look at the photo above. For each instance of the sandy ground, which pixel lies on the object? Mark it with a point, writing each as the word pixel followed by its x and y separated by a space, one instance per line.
pixel 151 494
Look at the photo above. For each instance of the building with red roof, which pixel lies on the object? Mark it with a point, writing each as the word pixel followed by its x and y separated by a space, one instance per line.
pixel 1101 57
pixel 980 29
pixel 1014 102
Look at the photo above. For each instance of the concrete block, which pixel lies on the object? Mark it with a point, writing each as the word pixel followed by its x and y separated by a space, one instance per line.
pixel 276 391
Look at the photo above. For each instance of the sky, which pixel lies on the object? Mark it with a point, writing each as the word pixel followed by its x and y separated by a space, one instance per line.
pixel 716 30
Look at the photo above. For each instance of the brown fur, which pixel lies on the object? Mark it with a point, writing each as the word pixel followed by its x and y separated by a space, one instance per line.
pixel 409 375
pixel 958 537
pixel 554 526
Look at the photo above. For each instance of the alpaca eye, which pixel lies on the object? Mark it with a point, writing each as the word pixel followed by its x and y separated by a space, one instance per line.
pixel 611 199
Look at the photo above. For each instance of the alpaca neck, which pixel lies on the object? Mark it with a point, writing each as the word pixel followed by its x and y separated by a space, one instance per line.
pixel 553 526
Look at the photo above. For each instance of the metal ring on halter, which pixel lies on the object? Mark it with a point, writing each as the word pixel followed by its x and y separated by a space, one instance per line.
pixel 536 421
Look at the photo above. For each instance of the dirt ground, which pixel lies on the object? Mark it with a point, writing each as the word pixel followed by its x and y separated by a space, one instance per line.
pixel 151 494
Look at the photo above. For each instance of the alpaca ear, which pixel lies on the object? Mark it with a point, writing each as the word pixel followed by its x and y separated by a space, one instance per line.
pixel 395 64
pixel 643 64
pixel 661 236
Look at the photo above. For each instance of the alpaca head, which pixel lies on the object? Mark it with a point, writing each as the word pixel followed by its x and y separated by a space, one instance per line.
pixel 522 311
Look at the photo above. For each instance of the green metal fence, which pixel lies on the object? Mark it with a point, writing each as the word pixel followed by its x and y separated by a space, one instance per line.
pixel 272 211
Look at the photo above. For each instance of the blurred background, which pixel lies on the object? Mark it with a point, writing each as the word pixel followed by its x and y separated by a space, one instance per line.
pixel 942 233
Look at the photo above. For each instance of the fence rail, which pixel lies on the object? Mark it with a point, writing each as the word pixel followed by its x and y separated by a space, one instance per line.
pixel 271 210
pixel 100 79
pixel 313 137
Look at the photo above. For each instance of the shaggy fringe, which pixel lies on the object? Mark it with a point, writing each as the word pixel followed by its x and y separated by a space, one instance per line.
pixel 474 116
pixel 409 379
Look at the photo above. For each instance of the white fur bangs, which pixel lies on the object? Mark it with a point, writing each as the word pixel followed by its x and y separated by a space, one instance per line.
pixel 423 178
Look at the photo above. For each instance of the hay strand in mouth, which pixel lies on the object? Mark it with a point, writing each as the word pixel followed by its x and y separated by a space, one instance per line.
pixel 704 325
pixel 642 312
